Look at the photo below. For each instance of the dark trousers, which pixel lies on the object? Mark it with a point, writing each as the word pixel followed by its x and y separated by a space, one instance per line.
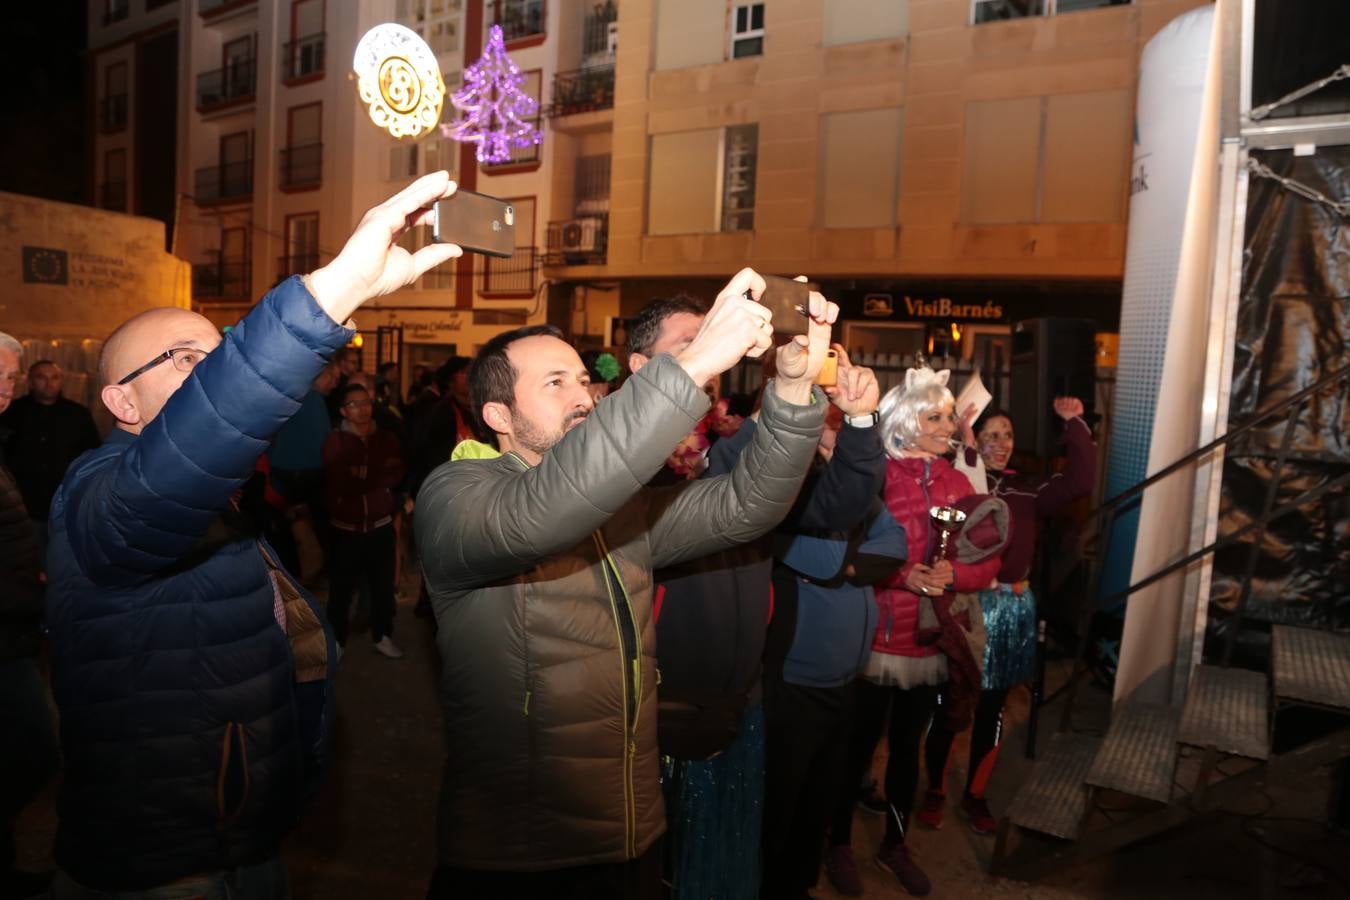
pixel 985 736
pixel 29 754
pixel 805 752
pixel 357 556
pixel 636 879
pixel 911 710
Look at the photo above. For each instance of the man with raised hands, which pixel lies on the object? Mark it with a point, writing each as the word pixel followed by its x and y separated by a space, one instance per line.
pixel 193 673
pixel 539 563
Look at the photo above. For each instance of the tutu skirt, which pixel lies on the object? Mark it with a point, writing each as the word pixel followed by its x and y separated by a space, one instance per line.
pixel 1010 620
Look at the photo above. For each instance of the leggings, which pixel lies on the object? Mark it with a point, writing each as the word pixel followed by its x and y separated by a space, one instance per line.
pixel 911 710
pixel 985 737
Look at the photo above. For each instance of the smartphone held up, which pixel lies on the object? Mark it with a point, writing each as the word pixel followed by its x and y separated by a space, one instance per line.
pixel 476 222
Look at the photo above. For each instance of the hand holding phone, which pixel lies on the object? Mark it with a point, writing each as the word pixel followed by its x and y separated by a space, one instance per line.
pixel 476 222
pixel 789 301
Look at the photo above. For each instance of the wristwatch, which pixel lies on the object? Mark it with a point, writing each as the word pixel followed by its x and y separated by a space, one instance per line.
pixel 864 421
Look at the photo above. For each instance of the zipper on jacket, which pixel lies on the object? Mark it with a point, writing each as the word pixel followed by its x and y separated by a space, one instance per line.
pixel 631 669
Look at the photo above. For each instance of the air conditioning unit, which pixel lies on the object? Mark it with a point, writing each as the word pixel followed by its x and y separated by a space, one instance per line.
pixel 582 235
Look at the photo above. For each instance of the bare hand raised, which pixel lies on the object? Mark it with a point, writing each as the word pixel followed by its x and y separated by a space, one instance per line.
pixel 1068 407
pixel 855 391
pixel 372 264
pixel 800 359
pixel 734 328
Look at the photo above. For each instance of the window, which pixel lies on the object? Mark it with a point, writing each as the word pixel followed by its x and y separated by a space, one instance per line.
pixel 860 168
pixel 302 245
pixel 1000 10
pixel 690 33
pixel 528 154
pixel 114 192
pixel 403 162
pixel 1062 158
pixel 853 21
pixel 738 177
pixel 437 21
pixel 113 108
pixel 302 157
pixel 747 33
pixel 684 159
pixel 515 276
pixel 519 19
pixel 304 53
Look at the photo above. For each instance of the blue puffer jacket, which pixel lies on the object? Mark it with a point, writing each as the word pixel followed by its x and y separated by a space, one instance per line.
pixel 192 725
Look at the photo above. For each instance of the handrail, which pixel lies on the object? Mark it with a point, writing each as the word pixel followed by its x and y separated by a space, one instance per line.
pixel 1281 406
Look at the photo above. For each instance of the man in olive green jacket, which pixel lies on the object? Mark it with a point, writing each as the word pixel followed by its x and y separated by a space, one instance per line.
pixel 539 564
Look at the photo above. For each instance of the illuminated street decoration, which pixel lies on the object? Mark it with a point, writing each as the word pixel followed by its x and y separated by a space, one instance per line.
pixel 399 80
pixel 496 110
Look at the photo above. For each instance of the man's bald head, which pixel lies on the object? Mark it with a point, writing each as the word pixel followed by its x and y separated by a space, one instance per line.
pixel 135 343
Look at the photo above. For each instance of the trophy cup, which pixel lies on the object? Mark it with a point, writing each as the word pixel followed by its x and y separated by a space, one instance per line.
pixel 947 520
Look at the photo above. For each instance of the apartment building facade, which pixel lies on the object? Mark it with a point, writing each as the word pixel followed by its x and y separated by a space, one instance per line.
pixel 275 157
pixel 930 162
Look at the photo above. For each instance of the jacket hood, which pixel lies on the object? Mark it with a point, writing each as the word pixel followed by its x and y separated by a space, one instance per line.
pixel 474 450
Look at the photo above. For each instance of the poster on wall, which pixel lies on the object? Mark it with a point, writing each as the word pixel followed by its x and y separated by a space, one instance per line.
pixel 1163 318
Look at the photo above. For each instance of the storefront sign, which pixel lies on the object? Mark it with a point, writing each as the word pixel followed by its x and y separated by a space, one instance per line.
pixel 876 305
pixel 421 327
pixel 45 265
pixel 90 271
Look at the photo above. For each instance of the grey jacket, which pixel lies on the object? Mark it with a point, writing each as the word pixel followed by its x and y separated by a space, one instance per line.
pixel 541 579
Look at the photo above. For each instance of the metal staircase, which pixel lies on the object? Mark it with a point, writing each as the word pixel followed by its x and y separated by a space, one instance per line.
pixel 1164 765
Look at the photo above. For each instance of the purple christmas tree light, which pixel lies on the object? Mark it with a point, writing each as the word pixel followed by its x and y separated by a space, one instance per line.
pixel 496 109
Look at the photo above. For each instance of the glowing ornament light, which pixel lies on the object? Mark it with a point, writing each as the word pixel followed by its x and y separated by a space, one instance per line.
pixel 399 80
pixel 496 109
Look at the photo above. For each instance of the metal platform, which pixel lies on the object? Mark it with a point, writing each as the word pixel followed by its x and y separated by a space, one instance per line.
pixel 1139 754
pixel 1228 709
pixel 1053 800
pixel 1311 666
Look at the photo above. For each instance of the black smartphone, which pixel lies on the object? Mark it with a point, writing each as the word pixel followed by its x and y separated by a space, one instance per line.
pixel 789 301
pixel 477 222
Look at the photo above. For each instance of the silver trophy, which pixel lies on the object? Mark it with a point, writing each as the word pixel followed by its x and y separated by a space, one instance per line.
pixel 947 520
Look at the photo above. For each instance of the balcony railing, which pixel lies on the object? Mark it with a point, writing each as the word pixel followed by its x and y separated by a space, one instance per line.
pixel 520 156
pixel 583 90
pixel 297 264
pixel 582 241
pixel 229 278
pixel 515 276
pixel 303 57
pixel 224 181
pixel 220 87
pixel 301 166
pixel 112 113
pixel 518 18
pixel 113 195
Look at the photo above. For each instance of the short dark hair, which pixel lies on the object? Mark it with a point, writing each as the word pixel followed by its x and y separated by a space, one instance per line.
pixel 346 391
pixel 41 362
pixel 645 327
pixel 492 378
pixel 993 412
pixel 385 367
pixel 446 371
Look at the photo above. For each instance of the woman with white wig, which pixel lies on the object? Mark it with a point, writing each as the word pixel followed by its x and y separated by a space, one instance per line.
pixel 917 424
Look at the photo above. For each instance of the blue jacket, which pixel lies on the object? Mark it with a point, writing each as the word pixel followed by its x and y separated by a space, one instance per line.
pixel 192 725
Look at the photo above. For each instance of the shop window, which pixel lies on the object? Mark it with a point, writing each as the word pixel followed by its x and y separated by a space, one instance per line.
pixel 747 33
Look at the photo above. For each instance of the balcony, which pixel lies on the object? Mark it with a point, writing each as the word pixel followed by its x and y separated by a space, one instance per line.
pixel 236 83
pixel 582 241
pixel 112 114
pixel 520 19
pixel 222 279
pixel 301 167
pixel 302 58
pixel 514 277
pixel 210 9
pixel 224 182
pixel 582 90
pixel 113 195
pixel 297 264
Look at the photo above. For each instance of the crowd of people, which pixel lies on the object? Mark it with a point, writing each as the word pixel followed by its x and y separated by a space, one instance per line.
pixel 672 626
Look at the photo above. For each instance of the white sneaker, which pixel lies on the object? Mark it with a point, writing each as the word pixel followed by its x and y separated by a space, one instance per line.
pixel 387 647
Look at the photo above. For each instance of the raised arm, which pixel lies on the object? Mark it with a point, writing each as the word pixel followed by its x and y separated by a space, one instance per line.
pixel 1076 481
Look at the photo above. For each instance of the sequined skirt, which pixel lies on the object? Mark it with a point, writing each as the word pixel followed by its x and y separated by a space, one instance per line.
pixel 714 811
pixel 1010 621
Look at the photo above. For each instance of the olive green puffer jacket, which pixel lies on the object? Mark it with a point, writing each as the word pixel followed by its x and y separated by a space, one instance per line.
pixel 541 578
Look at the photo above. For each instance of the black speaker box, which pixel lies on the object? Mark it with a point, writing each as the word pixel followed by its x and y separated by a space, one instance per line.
pixel 1051 358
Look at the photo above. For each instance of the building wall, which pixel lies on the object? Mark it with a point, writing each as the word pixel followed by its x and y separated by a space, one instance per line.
pixel 1013 139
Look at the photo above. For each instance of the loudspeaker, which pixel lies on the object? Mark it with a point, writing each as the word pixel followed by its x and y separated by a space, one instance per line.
pixel 1050 358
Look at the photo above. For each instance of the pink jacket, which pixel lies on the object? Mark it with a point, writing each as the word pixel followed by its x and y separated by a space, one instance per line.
pixel 912 486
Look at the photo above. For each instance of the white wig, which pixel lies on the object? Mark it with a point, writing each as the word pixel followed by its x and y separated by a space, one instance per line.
pixel 11 344
pixel 900 409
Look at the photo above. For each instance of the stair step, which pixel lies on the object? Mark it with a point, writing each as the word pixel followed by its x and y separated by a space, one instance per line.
pixel 1311 666
pixel 1229 709
pixel 1053 800
pixel 1139 755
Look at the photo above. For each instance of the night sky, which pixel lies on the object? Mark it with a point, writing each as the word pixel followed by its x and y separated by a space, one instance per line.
pixel 44 147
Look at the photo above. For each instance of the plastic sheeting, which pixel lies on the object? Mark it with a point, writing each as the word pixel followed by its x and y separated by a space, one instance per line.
pixel 1292 329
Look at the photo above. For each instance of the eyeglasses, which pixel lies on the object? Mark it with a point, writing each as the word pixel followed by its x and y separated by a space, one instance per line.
pixel 184 359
